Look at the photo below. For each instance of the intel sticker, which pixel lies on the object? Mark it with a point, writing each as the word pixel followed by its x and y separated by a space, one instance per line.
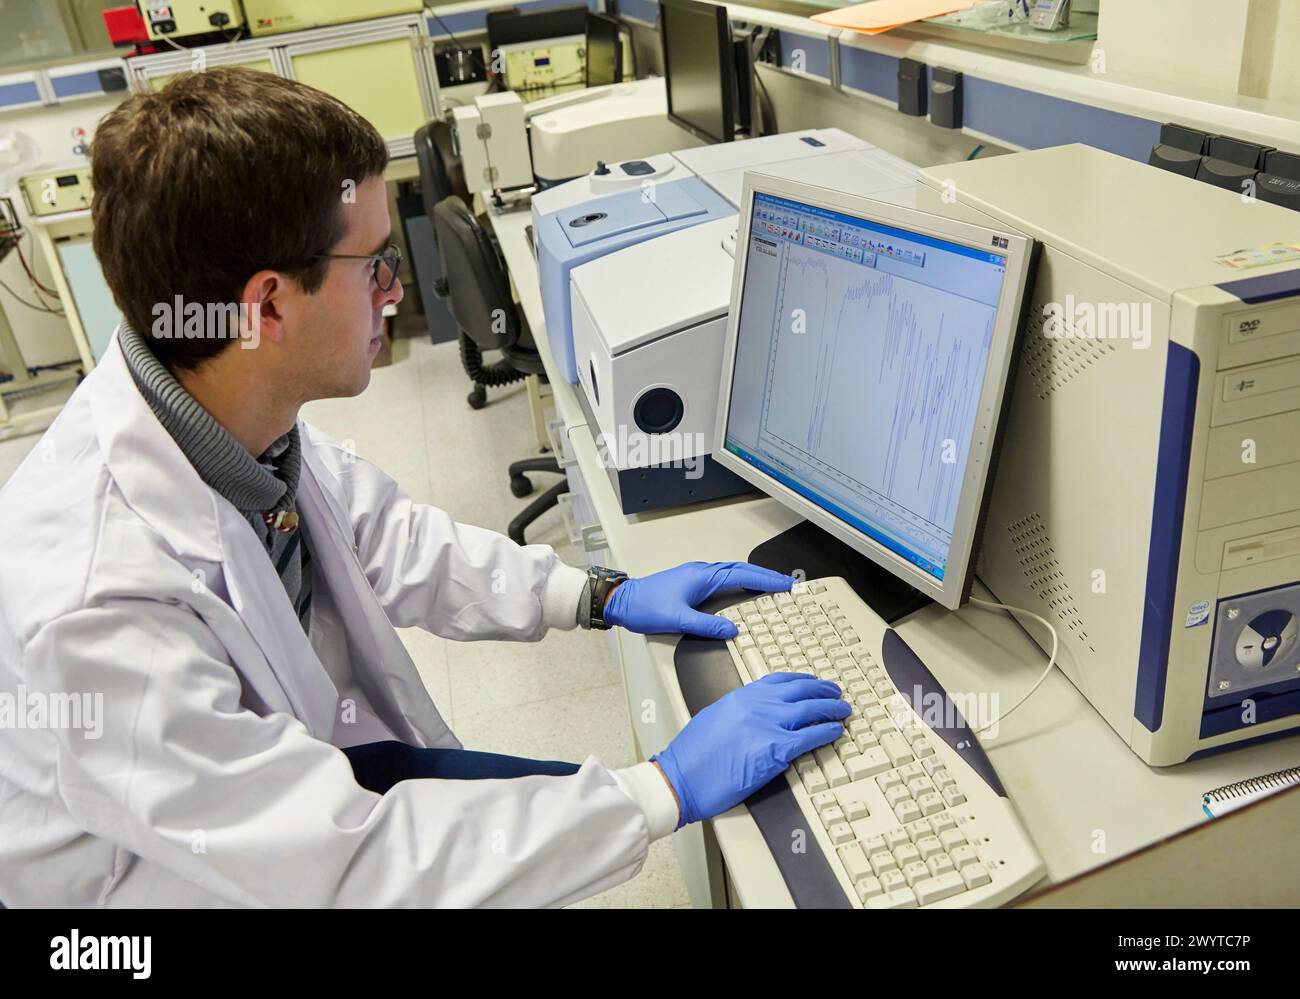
pixel 1198 613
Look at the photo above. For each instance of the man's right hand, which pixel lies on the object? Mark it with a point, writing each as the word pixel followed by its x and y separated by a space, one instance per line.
pixel 748 736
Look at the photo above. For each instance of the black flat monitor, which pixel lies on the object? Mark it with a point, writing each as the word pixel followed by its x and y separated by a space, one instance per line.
pixel 604 51
pixel 512 26
pixel 698 68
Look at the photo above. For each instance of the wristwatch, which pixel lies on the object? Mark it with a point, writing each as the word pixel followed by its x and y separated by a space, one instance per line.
pixel 599 582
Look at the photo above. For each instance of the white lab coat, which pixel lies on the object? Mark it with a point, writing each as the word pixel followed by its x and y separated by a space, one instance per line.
pixel 215 780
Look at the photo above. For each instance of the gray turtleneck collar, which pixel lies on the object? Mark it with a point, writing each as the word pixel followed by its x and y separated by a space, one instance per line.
pixel 252 486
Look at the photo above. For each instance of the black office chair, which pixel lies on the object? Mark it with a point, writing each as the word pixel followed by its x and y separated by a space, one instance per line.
pixel 442 177
pixel 479 294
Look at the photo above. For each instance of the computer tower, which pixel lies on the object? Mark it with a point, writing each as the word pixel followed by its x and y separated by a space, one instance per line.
pixel 1147 499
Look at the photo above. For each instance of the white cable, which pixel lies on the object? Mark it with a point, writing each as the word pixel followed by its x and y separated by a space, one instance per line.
pixel 1051 660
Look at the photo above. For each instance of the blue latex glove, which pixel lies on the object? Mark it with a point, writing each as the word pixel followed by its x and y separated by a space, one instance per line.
pixel 664 603
pixel 748 736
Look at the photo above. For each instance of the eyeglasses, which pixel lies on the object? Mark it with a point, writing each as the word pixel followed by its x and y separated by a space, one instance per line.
pixel 387 262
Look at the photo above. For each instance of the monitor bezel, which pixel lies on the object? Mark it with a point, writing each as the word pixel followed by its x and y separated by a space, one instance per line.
pixel 953 589
pixel 725 80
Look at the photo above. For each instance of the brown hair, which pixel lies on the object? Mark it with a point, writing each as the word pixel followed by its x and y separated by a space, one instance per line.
pixel 218 175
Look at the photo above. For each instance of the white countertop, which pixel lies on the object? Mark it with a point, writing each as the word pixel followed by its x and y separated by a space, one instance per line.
pixel 1084 796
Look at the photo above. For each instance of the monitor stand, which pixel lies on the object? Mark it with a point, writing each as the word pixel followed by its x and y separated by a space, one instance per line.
pixel 810 550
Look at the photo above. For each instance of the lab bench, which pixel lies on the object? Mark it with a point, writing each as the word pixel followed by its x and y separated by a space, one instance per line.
pixel 1084 797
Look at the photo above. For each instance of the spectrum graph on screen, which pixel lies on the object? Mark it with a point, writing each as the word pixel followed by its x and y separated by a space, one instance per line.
pixel 876 346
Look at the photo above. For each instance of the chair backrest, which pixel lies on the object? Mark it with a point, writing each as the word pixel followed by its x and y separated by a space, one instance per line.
pixel 441 175
pixel 477 286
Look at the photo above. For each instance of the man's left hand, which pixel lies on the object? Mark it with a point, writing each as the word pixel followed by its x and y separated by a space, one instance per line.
pixel 665 602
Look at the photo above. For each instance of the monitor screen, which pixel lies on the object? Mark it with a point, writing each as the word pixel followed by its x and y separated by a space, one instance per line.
pixel 698 71
pixel 604 51
pixel 861 367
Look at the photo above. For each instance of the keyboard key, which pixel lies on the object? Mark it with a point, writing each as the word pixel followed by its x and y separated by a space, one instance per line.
pixel 833 816
pixel 855 861
pixel 778 664
pixel 868 888
pixel 865 741
pixel 897 794
pixel 842 833
pixel 882 861
pixel 849 636
pixel 940 864
pixel 964 856
pixel 936 889
pixel 929 846
pixel 974 875
pixel 885 690
pixel 835 772
pixel 847 749
pixel 816 587
pixel 782 599
pixel 896 747
pixel 755 663
pixel 869 762
pixel 824 800
pixel 911 771
pixel 856 810
pixel 942 823
pixel 919 786
pixel 907 811
pixel 923 748
pixel 942 778
pixel 898 899
pixel 769 650
pixel 798 664
pixel 744 642
pixel 892 880
pixel 765 602
pixel 883 726
pixel 895 838
pixel 906 854
pixel 874 844
pixel 918 830
pixel 930 802
pixel 952 797
pixel 914 872
pixel 814 781
pixel 952 838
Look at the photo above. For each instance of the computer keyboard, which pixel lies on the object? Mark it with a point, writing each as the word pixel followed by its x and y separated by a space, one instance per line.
pixel 904 819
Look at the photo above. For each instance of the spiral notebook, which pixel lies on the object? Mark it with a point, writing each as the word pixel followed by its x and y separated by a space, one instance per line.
pixel 1230 797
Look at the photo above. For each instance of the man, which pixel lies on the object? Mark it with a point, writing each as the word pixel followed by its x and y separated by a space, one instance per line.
pixel 219 583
